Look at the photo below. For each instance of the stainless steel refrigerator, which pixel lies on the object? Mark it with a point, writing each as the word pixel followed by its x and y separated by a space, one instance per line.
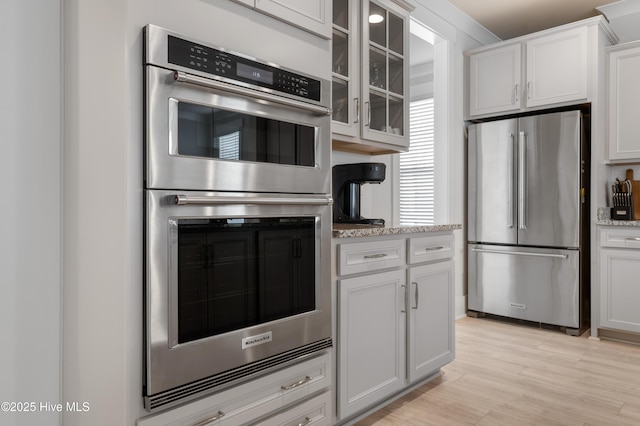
pixel 527 224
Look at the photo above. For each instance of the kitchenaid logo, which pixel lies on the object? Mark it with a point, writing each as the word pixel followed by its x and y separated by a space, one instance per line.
pixel 258 339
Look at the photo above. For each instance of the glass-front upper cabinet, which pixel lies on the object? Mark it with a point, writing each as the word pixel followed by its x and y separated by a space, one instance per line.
pixel 370 102
pixel 346 103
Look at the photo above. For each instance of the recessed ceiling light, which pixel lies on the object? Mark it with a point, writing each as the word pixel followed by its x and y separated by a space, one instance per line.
pixel 375 18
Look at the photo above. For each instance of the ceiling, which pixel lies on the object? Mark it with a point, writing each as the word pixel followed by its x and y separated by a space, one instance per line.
pixel 512 18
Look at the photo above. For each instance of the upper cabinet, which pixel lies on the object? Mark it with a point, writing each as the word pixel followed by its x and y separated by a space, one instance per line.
pixel 495 80
pixel 310 15
pixel 371 75
pixel 547 69
pixel 623 94
pixel 557 68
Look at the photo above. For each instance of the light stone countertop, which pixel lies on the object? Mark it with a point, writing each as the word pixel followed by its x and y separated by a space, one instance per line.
pixel 604 218
pixel 344 230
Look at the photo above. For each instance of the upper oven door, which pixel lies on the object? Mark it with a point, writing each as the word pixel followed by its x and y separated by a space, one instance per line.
pixel 204 134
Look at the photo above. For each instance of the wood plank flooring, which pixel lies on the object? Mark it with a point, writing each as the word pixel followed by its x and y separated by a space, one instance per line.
pixel 509 374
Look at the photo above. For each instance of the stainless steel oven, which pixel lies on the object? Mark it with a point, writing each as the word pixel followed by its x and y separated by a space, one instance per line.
pixel 237 219
pixel 218 120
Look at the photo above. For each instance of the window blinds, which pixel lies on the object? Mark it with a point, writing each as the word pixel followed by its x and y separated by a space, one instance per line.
pixel 417 167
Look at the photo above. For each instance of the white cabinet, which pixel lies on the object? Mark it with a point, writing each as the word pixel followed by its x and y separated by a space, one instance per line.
pixel 545 69
pixel 313 16
pixel 431 318
pixel 557 68
pixel 314 412
pixel 371 75
pixel 619 284
pixel 623 96
pixel 292 387
pixel 395 316
pixel 495 80
pixel 371 340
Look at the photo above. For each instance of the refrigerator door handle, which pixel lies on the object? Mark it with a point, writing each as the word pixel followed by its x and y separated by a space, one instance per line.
pixel 522 176
pixel 511 212
pixel 522 253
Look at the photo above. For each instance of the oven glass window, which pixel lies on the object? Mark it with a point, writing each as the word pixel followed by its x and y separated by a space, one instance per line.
pixel 236 273
pixel 204 131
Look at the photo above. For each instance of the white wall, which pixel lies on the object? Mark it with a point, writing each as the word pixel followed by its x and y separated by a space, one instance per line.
pixel 30 229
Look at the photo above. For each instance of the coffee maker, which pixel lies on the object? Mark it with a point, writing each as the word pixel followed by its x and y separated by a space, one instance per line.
pixel 347 181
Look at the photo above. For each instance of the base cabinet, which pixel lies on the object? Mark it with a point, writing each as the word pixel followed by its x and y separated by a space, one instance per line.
pixel 395 317
pixel 295 395
pixel 371 340
pixel 431 318
pixel 619 285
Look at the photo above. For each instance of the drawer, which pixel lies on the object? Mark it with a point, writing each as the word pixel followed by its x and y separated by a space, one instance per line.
pixel 430 248
pixel 623 238
pixel 314 412
pixel 255 399
pixel 354 258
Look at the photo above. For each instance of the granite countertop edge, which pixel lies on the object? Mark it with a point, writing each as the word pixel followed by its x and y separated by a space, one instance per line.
pixel 351 231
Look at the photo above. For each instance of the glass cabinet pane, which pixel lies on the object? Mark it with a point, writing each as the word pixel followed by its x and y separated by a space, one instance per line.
pixel 396 75
pixel 396 34
pixel 340 53
pixel 377 24
pixel 341 13
pixel 340 101
pixel 377 68
pixel 396 116
pixel 378 111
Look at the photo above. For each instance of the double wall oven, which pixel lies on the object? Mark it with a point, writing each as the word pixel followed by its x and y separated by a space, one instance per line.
pixel 237 217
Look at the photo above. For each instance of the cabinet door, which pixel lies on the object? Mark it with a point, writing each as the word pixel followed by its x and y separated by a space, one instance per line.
pixel 385 75
pixel 557 68
pixel 624 92
pixel 310 15
pixel 431 318
pixel 371 340
pixel 346 70
pixel 495 80
pixel 620 289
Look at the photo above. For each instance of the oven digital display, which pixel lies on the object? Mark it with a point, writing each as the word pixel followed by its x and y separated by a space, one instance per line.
pixel 254 73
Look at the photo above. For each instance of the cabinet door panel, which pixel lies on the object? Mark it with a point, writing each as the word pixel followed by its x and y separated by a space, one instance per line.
pixel 620 289
pixel 371 340
pixel 431 318
pixel 624 92
pixel 494 80
pixel 310 15
pixel 557 68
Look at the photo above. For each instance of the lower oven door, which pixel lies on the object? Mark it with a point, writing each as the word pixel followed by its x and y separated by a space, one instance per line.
pixel 237 284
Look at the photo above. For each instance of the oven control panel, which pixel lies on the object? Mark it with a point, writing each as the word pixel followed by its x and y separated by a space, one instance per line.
pixel 224 64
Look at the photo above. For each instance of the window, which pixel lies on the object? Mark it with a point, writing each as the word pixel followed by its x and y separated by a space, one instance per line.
pixel 417 184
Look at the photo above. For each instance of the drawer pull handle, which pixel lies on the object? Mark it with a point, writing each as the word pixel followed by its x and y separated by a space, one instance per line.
pixel 434 248
pixel 375 256
pixel 296 384
pixel 632 239
pixel 210 420
pixel 305 422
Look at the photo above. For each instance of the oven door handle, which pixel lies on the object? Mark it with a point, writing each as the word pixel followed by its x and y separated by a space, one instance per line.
pixel 183 77
pixel 183 200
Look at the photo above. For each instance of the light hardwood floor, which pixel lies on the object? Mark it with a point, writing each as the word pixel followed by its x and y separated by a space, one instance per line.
pixel 514 375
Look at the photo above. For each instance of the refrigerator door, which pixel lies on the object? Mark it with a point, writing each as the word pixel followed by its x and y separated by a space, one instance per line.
pixel 549 168
pixel 491 182
pixel 532 284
